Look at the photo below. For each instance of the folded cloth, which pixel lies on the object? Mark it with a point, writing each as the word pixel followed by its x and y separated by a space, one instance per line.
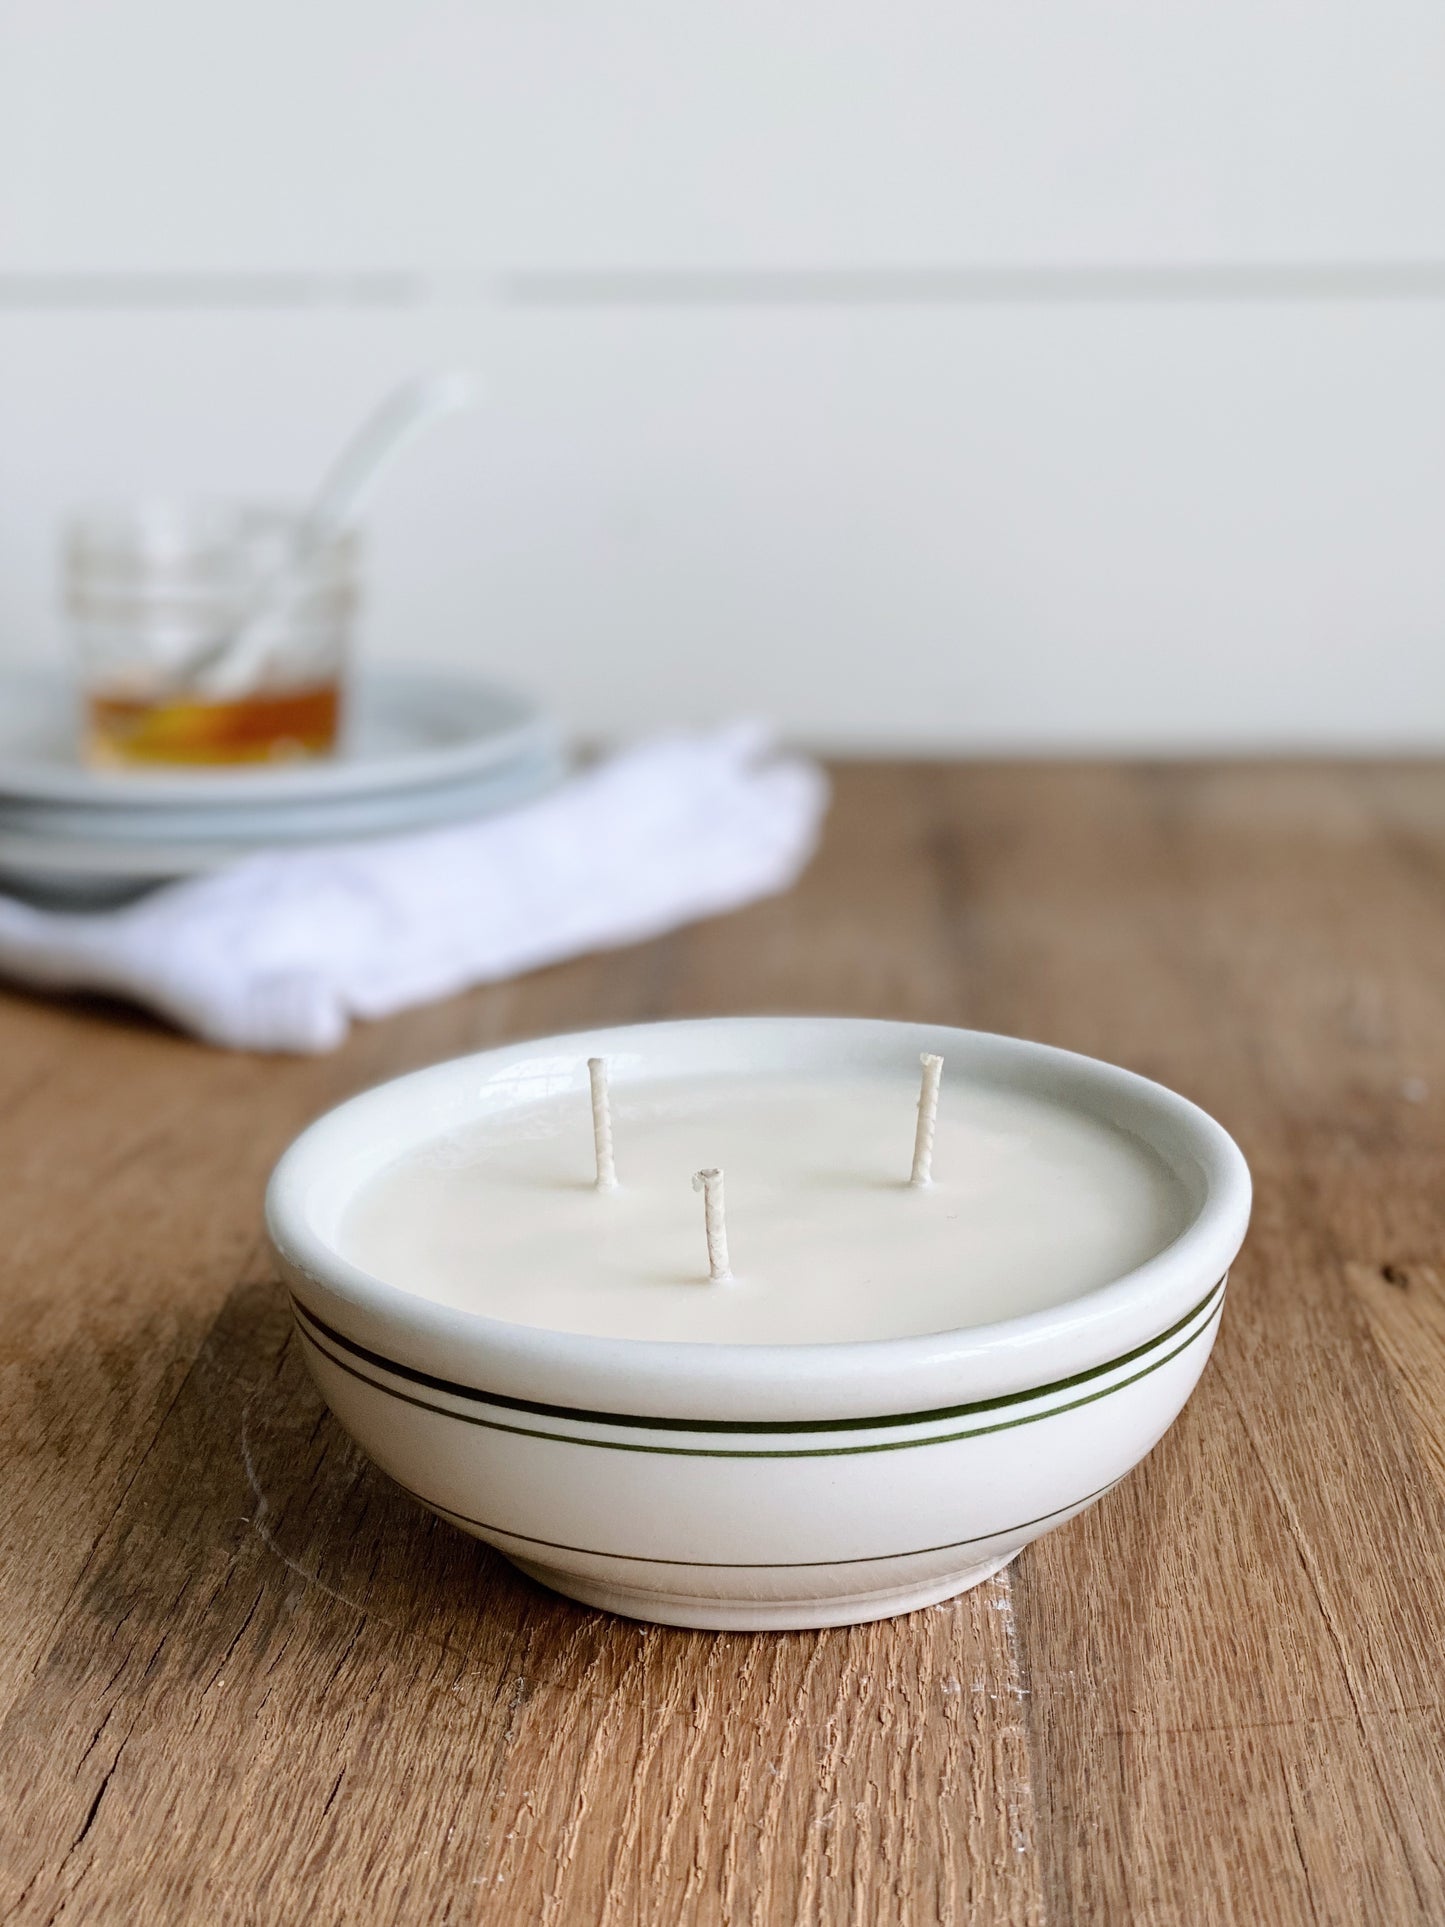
pixel 279 952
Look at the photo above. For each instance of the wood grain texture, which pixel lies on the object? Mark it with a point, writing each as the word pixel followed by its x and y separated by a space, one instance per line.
pixel 245 1679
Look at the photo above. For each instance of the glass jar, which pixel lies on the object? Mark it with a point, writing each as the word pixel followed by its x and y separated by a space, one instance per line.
pixel 208 634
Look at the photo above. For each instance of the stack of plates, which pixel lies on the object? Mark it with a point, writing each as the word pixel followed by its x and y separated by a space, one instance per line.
pixel 422 747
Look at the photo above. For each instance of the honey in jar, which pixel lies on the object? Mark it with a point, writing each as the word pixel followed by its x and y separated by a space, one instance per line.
pixel 263 726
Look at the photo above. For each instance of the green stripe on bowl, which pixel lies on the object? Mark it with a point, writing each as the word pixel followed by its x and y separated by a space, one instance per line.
pixel 758 1565
pixel 1214 1302
pixel 579 1415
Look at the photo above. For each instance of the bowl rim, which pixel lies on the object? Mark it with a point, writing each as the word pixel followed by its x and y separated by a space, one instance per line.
pixel 691 1379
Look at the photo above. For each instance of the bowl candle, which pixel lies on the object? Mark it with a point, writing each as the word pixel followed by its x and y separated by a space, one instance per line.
pixel 932 1324
pixel 829 1238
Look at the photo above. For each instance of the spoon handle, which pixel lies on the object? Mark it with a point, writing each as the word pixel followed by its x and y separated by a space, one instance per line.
pixel 403 415
pixel 227 664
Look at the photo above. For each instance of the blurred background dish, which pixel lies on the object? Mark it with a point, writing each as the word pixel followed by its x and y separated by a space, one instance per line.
pixel 114 868
pixel 406 725
pixel 420 747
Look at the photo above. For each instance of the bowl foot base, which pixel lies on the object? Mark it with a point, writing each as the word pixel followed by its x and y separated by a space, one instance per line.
pixel 757 1615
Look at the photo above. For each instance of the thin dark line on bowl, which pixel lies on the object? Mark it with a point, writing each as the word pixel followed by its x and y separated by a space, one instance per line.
pixel 789 1452
pixel 757 1565
pixel 639 1422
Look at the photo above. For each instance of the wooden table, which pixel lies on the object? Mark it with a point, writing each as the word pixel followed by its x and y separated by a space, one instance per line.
pixel 243 1678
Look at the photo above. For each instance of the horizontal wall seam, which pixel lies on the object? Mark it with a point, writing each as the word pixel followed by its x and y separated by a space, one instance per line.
pixel 684 288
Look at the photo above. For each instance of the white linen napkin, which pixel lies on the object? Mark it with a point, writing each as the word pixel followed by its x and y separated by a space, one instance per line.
pixel 280 952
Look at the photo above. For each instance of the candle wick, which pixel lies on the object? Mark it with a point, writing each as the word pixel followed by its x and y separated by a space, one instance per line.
pixel 710 1183
pixel 602 1124
pixel 927 1122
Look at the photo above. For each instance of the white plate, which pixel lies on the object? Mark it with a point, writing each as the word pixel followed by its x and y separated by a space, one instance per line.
pixel 404 727
pixel 321 820
pixel 96 870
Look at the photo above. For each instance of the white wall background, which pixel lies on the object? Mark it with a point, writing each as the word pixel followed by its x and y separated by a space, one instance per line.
pixel 925 375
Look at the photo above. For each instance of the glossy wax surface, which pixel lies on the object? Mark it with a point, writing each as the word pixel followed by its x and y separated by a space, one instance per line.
pixel 1032 1204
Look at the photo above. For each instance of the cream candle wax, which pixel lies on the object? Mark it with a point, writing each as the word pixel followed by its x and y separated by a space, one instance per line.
pixel 878 1350
pixel 1030 1203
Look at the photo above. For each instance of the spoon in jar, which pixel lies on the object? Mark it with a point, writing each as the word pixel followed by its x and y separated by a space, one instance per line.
pixel 227 665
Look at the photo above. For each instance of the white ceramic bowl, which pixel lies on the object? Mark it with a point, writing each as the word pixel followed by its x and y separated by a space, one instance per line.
pixel 753 1486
